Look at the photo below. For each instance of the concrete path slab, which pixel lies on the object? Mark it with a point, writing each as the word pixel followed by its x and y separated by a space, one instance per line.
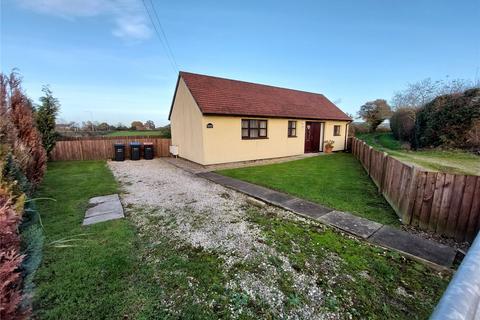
pixel 361 227
pixel 242 186
pixel 196 168
pixel 307 208
pixel 414 245
pixel 371 231
pixel 103 208
pixel 278 198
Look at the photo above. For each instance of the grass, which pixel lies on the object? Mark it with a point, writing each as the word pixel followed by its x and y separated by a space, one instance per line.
pixel 449 161
pixel 86 272
pixel 127 133
pixel 365 280
pixel 337 181
pixel 134 269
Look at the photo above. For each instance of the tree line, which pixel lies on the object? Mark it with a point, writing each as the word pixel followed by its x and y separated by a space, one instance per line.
pixel 104 126
pixel 427 113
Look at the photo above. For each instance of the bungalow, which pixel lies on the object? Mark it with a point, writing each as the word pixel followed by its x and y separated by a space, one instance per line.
pixel 216 120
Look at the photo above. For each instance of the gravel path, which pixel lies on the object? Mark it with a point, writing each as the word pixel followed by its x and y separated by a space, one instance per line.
pixel 211 217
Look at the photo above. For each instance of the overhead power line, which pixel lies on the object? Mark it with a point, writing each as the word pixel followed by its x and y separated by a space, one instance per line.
pixel 161 35
pixel 164 34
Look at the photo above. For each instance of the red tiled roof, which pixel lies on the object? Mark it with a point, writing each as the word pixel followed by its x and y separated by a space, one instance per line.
pixel 231 97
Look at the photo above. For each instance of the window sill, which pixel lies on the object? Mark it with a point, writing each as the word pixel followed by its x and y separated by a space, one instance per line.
pixel 292 136
pixel 261 138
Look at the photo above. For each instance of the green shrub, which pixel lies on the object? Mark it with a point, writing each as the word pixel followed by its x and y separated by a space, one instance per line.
pixel 46 115
pixel 448 121
pixel 402 123
pixel 31 246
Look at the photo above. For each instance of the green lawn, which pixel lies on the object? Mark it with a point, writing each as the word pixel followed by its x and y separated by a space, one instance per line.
pixel 455 161
pixel 336 180
pixel 136 268
pixel 87 272
pixel 136 133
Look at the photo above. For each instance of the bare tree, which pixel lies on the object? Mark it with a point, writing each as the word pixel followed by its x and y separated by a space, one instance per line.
pixel 421 92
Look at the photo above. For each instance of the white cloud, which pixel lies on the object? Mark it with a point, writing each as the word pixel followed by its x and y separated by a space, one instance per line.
pixel 128 16
pixel 131 27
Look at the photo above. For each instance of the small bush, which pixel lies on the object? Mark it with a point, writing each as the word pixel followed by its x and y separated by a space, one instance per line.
pixel 448 121
pixel 402 123
pixel 357 127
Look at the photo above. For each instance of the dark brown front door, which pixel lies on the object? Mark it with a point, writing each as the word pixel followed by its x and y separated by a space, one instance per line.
pixel 312 137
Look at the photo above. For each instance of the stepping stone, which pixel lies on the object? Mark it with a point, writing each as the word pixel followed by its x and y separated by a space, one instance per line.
pixel 414 245
pixel 101 199
pixel 348 222
pixel 306 208
pixel 103 217
pixel 103 208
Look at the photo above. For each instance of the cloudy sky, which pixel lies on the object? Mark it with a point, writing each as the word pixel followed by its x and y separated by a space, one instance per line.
pixel 103 58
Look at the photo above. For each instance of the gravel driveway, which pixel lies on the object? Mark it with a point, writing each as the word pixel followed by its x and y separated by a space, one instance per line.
pixel 210 217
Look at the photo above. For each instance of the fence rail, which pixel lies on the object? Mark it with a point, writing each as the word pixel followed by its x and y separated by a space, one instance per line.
pixel 447 204
pixel 101 148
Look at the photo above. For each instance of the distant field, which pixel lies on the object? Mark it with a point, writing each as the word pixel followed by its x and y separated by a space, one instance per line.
pixel 136 133
pixel 454 161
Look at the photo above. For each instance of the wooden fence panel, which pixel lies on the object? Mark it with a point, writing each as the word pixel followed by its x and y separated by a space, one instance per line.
pixel 101 148
pixel 457 193
pixel 427 200
pixel 473 220
pixel 465 207
pixel 444 203
pixel 419 192
pixel 437 201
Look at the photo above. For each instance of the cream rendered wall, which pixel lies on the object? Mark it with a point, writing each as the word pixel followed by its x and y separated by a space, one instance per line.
pixel 339 141
pixel 186 125
pixel 224 143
